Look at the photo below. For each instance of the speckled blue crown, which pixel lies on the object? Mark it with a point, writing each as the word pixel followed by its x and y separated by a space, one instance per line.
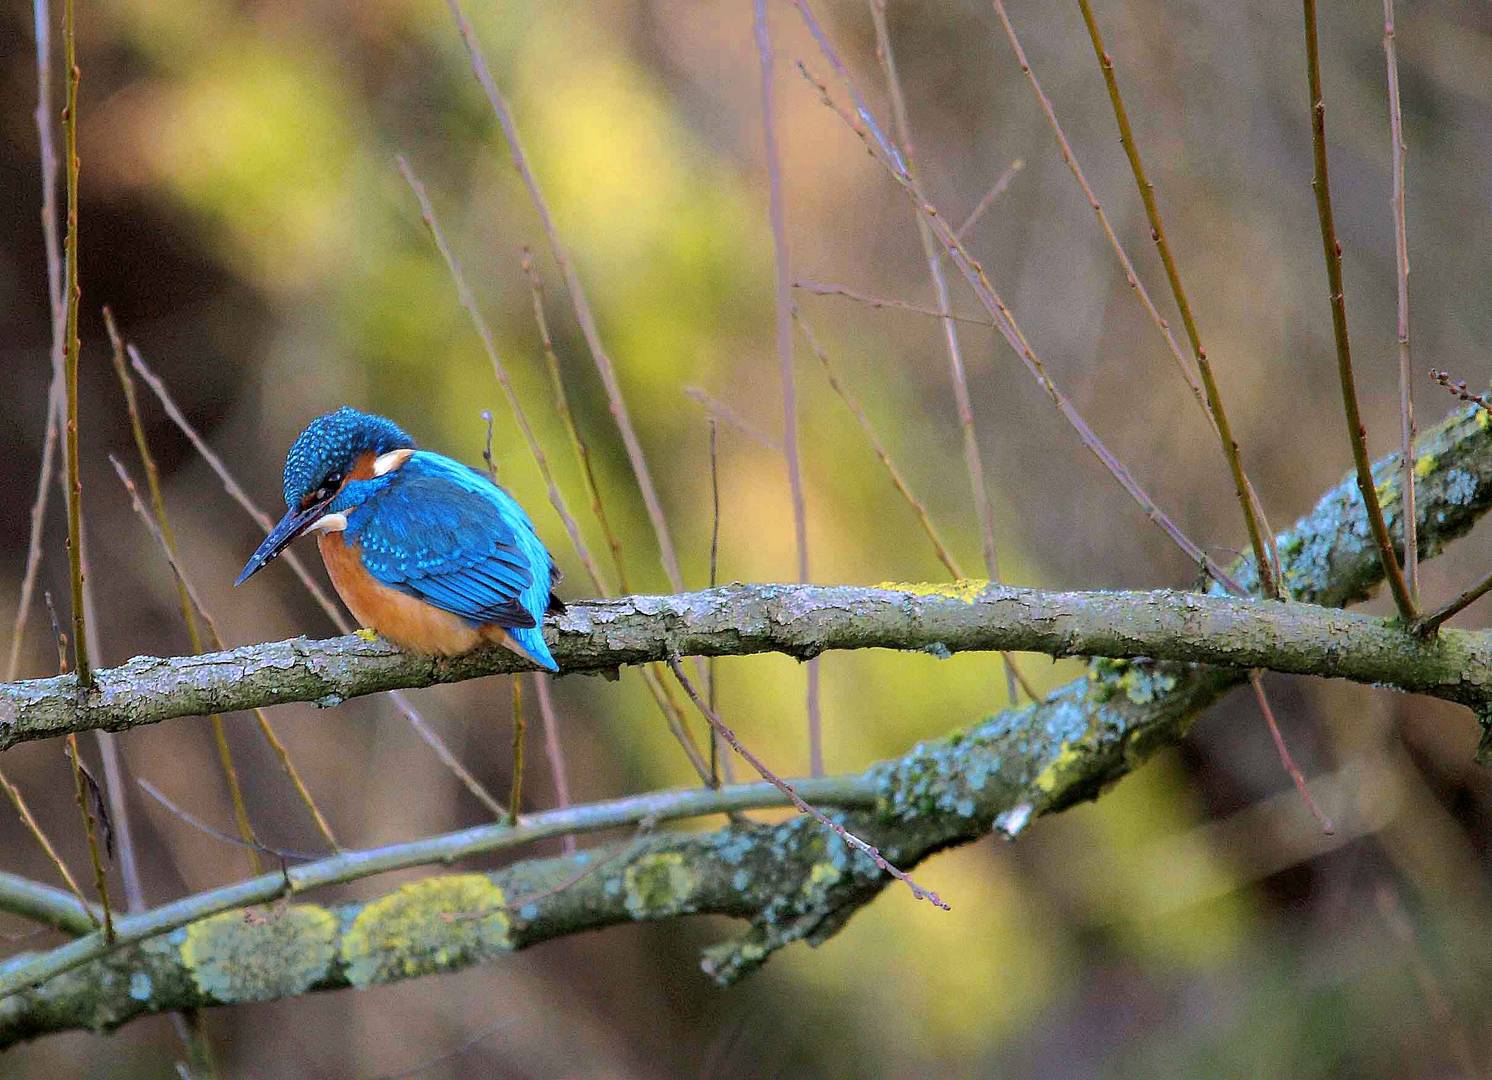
pixel 331 443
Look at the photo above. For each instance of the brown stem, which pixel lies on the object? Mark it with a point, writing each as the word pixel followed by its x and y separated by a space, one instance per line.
pixel 1258 529
pixel 1357 433
pixel 72 297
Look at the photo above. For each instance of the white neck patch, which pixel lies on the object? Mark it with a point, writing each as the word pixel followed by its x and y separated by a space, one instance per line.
pixel 387 463
pixel 329 523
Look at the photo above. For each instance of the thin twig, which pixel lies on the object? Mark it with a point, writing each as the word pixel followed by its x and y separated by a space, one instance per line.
pixel 899 482
pixel 515 793
pixel 984 511
pixel 235 491
pixel 578 445
pixel 34 828
pixel 792 795
pixel 988 199
pixel 583 313
pixel 166 535
pixel 556 498
pixel 81 792
pixel 1397 151
pixel 777 214
pixel 719 410
pixel 719 764
pixel 487 447
pixel 818 288
pixel 1357 433
pixel 978 279
pixel 287 764
pixel 71 345
pixel 1459 389
pixel 217 834
pixel 55 395
pixel 450 1055
pixel 1286 759
pixel 554 749
pixel 1455 1034
pixel 1253 518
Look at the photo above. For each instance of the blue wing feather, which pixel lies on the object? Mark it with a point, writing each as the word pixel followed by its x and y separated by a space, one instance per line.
pixel 443 533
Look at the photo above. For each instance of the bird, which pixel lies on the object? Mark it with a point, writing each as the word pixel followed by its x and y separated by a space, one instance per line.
pixel 431 554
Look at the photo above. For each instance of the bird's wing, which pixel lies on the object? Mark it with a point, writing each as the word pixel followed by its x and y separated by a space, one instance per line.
pixel 444 534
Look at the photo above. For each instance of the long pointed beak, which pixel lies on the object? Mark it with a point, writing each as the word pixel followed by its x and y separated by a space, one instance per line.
pixel 291 525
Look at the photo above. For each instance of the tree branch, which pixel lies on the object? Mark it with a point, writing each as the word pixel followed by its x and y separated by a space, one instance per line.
pixel 791 881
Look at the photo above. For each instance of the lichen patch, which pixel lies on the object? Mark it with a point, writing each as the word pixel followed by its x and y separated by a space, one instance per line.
pixel 259 955
pixel 427 926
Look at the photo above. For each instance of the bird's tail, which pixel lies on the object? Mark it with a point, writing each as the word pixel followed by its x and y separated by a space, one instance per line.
pixel 529 643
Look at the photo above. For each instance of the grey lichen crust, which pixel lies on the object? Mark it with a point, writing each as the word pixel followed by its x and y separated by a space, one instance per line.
pixel 791 881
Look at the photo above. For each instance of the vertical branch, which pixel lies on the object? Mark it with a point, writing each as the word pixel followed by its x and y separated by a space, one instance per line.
pixel 777 211
pixel 719 764
pixel 1258 528
pixel 515 794
pixel 1397 151
pixel 70 347
pixel 1331 248
pixel 553 749
pixel 578 444
pixel 933 256
pixel 583 313
pixel 54 405
pixel 81 794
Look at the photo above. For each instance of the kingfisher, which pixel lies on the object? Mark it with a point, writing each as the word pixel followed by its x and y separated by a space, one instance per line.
pixel 428 552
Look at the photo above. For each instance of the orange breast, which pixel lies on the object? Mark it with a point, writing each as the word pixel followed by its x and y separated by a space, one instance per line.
pixel 407 622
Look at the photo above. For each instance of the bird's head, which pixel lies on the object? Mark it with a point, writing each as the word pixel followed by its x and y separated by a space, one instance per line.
pixel 333 449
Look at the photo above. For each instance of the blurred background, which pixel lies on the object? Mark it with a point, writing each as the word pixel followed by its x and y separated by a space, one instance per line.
pixel 243 217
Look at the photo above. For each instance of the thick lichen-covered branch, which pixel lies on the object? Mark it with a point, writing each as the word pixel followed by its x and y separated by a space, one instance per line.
pixel 1321 560
pixel 791 881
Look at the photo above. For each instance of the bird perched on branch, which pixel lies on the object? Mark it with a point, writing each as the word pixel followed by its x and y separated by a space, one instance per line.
pixel 428 552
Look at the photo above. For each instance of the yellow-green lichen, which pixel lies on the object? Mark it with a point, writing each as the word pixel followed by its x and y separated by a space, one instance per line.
pixel 1054 776
pixel 966 589
pixel 1483 419
pixel 260 954
pixel 658 885
pixel 426 926
pixel 1425 466
pixel 366 633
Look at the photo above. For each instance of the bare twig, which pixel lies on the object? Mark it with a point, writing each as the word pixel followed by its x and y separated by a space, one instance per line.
pixel 1459 389
pixel 167 538
pixel 217 834
pixel 988 199
pixel 984 511
pixel 1397 150
pixel 236 492
pixel 1258 528
pixel 583 313
pixel 818 288
pixel 777 213
pixel 554 749
pixel 1458 1044
pixel 1332 250
pixel 1286 759
pixel 978 279
pixel 55 396
pixel 450 1055
pixel 194 600
pixel 899 482
pixel 718 410
pixel 578 445
pixel 34 828
pixel 792 795
pixel 71 345
pixel 556 498
pixel 515 793
pixel 487 447
pixel 719 764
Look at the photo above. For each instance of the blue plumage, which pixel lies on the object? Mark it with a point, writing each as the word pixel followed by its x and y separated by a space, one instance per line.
pixel 417 523
pixel 444 533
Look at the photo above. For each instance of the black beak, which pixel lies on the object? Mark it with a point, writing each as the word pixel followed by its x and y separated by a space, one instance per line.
pixel 291 525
